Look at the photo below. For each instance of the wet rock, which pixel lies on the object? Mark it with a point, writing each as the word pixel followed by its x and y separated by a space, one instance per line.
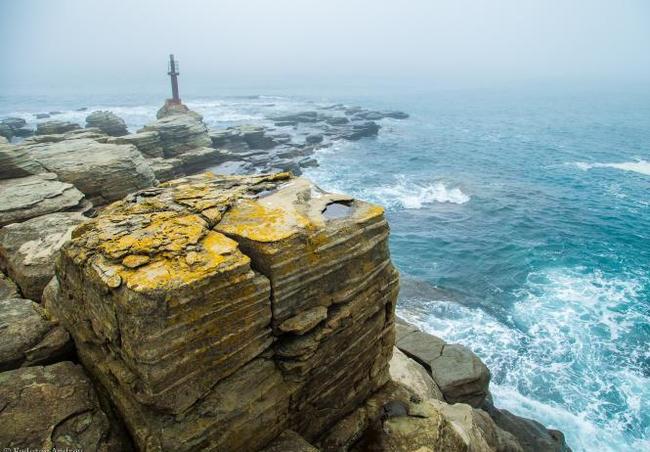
pixel 395 114
pixel 177 298
pixel 531 435
pixel 413 376
pixel 103 172
pixel 107 122
pixel 8 288
pixel 42 115
pixel 356 131
pixel 459 373
pixel 14 127
pixel 314 138
pixel 305 116
pixel 336 120
pixel 28 337
pixel 32 196
pixel 55 112
pixel 289 441
pixel 54 407
pixel 28 249
pixel 55 127
pixel 179 133
pixel 16 162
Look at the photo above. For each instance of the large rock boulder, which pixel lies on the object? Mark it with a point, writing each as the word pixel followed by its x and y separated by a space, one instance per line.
pixel 108 122
pixel 16 162
pixel 55 127
pixel 29 197
pixel 413 376
pixel 459 373
pixel 148 143
pixel 28 249
pixel 54 407
pixel 103 172
pixel 28 337
pixel 393 419
pixel 179 133
pixel 187 303
pixel 531 435
pixel 171 108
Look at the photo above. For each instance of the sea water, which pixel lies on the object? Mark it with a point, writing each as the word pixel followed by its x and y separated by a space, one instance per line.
pixel 520 223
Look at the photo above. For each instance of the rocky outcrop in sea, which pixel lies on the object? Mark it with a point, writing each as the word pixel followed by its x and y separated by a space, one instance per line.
pixel 147 305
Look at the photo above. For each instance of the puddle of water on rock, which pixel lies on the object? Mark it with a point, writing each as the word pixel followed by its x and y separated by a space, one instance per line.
pixel 336 210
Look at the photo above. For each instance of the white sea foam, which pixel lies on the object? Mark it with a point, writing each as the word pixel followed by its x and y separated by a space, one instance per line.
pixel 411 195
pixel 569 356
pixel 640 166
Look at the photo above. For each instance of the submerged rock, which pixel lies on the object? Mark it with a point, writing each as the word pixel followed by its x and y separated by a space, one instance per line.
pixel 107 122
pixel 184 302
pixel 28 249
pixel 54 407
pixel 32 196
pixel 55 127
pixel 28 337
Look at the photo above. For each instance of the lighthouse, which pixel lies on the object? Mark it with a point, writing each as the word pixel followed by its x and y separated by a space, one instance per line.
pixel 173 74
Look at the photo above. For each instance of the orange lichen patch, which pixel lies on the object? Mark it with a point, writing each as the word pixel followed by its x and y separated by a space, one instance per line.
pixel 253 221
pixel 367 211
pixel 216 253
pixel 135 260
pixel 148 235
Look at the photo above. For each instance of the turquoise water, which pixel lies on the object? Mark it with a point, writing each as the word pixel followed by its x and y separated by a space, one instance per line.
pixel 520 222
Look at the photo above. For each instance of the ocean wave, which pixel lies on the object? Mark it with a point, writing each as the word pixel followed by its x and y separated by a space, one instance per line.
pixel 412 195
pixel 640 166
pixel 572 352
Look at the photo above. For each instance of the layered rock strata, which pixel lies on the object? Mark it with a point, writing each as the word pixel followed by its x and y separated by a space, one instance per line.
pixel 220 311
pixel 107 122
pixel 55 127
pixel 28 249
pixel 28 337
pixel 28 197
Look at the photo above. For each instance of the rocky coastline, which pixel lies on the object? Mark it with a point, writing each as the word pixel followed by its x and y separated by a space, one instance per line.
pixel 147 304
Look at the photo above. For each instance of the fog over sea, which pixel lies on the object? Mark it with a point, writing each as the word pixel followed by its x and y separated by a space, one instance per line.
pixel 520 223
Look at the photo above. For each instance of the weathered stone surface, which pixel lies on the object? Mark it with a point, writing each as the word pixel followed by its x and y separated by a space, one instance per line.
pixel 16 162
pixel 28 337
pixel 8 288
pixel 28 249
pixel 305 321
pixel 29 197
pixel 54 407
pixel 412 375
pixel 168 314
pixel 55 127
pixel 459 373
pixel 289 441
pixel 530 434
pixel 393 419
pixel 103 172
pixel 107 122
pixel 179 133
pixel 171 108
pixel 148 143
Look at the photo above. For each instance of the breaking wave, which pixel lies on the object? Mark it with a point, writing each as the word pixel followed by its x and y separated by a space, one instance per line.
pixel 640 166
pixel 411 195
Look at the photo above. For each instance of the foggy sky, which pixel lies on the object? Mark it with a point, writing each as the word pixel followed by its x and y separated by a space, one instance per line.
pixel 49 42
